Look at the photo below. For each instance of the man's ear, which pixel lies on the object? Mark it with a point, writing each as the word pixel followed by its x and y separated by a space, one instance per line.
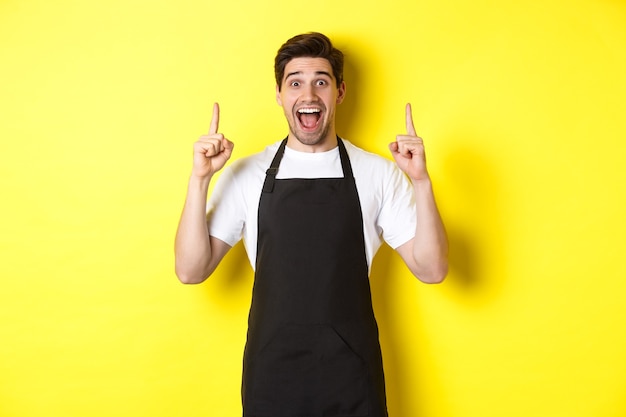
pixel 341 92
pixel 278 100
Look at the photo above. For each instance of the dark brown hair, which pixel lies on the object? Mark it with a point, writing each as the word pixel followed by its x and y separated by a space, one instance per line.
pixel 310 45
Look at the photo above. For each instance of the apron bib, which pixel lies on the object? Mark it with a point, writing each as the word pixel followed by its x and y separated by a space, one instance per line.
pixel 312 347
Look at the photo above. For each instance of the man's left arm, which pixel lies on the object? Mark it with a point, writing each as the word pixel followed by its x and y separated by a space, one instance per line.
pixel 426 254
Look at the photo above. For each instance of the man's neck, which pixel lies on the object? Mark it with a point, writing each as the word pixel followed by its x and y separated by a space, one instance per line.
pixel 324 145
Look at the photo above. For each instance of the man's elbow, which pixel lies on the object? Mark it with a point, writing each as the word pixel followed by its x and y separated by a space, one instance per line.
pixel 434 275
pixel 189 277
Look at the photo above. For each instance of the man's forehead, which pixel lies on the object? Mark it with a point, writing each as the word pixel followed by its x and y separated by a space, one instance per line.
pixel 308 65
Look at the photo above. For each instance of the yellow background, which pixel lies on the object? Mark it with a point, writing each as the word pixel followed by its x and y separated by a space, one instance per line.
pixel 522 108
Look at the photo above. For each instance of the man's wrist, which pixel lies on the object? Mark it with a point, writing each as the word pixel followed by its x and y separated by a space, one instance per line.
pixel 423 184
pixel 199 182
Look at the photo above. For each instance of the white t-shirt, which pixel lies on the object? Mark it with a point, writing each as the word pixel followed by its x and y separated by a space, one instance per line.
pixel 385 193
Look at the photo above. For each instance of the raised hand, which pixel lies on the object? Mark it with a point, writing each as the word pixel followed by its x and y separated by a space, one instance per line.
pixel 408 151
pixel 211 151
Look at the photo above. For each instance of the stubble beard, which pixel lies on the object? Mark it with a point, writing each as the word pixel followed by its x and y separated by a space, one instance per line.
pixel 310 139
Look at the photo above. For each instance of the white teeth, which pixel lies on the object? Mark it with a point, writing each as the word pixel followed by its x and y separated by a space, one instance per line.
pixel 309 111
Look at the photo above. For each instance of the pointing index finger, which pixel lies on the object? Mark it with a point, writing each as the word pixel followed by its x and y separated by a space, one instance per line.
pixel 215 120
pixel 410 129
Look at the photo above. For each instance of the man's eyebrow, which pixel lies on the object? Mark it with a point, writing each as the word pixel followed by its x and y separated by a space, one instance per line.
pixel 293 73
pixel 324 73
pixel 316 73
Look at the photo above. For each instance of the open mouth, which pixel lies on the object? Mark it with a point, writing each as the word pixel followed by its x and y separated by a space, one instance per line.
pixel 309 117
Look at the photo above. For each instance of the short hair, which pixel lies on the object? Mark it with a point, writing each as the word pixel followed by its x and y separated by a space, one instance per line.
pixel 310 45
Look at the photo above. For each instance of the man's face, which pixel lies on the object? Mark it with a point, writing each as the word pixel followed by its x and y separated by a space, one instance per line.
pixel 308 96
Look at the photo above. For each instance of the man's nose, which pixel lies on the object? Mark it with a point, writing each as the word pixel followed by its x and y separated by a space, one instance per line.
pixel 308 92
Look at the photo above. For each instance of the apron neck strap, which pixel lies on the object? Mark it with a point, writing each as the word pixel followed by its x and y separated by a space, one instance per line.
pixel 270 174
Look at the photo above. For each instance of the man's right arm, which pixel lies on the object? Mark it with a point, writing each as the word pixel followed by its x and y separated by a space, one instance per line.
pixel 197 253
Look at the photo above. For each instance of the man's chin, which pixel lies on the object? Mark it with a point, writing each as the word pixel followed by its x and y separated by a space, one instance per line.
pixel 308 138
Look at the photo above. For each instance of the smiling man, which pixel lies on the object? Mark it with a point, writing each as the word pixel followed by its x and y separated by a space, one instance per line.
pixel 312 210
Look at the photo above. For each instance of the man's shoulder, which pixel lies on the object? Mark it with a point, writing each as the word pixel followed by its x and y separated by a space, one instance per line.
pixel 363 157
pixel 255 161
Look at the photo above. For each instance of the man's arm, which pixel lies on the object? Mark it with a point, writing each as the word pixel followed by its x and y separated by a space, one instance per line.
pixel 197 254
pixel 426 254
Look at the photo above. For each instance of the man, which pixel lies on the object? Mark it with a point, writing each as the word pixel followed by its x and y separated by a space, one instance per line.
pixel 312 210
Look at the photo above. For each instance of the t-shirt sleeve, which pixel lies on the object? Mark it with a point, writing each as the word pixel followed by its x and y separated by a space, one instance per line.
pixel 225 209
pixel 398 216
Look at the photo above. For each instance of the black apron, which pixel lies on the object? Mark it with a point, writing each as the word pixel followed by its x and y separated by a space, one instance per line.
pixel 312 348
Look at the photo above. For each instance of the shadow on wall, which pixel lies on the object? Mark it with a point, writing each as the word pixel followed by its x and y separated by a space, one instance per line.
pixel 349 110
pixel 231 287
pixel 472 208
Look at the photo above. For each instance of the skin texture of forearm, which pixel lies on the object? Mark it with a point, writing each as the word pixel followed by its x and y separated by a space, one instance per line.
pixel 430 245
pixel 192 245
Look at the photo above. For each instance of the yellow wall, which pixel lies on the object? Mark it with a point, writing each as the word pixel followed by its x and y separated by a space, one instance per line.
pixel 521 105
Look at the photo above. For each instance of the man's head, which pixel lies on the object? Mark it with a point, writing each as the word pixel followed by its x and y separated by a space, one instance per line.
pixel 310 45
pixel 309 86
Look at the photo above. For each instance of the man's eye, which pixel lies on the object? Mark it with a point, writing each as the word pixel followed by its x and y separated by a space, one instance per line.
pixel 321 82
pixel 295 84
